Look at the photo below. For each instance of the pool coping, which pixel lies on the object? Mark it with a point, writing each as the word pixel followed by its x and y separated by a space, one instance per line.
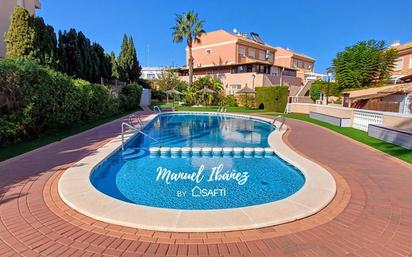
pixel 76 191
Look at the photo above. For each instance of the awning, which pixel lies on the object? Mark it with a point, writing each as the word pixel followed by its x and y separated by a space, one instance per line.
pixel 405 88
pixel 366 97
pixel 246 90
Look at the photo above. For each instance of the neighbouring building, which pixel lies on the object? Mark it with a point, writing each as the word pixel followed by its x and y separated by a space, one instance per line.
pixel 390 98
pixel 6 10
pixel 303 63
pixel 403 66
pixel 241 61
pixel 151 73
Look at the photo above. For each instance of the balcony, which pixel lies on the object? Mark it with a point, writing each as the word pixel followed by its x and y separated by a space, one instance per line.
pixel 243 59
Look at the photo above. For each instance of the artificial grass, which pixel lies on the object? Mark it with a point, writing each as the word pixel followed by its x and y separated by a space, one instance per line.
pixel 360 136
pixel 51 137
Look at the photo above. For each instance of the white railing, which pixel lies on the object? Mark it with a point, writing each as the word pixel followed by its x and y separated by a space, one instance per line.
pixel 362 119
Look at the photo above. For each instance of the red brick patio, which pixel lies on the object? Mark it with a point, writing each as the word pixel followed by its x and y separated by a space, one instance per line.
pixel 371 214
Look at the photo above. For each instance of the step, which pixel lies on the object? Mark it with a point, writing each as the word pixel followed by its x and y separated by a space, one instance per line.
pixel 211 151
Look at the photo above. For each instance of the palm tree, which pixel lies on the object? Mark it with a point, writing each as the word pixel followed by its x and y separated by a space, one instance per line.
pixel 190 27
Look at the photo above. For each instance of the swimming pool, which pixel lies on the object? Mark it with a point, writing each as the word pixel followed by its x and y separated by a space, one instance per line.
pixel 183 190
pixel 203 182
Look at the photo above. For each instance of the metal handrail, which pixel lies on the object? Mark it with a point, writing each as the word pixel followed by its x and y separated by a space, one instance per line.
pixel 277 118
pixel 125 124
pixel 221 109
pixel 136 116
pixel 157 108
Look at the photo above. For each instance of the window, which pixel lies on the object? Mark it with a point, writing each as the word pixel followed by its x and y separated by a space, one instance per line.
pixel 251 53
pixel 308 65
pixel 290 73
pixel 270 57
pixel 410 62
pixel 399 64
pixel 262 55
pixel 275 71
pixel 295 63
pixel 242 51
pixel 300 64
pixel 242 68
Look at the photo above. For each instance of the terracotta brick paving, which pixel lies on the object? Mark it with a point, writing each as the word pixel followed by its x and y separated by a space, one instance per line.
pixel 371 214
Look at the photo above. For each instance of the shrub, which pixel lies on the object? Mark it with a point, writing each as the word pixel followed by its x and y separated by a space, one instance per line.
pixel 35 99
pixel 272 98
pixel 129 96
pixel 159 95
pixel 228 101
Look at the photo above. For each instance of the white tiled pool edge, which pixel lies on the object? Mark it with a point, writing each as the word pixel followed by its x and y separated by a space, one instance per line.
pixel 77 191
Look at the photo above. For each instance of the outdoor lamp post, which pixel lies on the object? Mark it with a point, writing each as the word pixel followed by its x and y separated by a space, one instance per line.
pixel 253 81
pixel 329 74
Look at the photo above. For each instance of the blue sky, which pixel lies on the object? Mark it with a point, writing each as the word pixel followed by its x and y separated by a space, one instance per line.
pixel 318 28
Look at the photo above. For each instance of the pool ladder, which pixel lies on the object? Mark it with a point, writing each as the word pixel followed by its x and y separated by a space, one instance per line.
pixel 157 109
pixel 137 117
pixel 222 109
pixel 130 125
pixel 279 117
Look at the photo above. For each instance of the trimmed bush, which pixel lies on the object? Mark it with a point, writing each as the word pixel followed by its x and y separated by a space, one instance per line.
pixel 272 98
pixel 228 101
pixel 35 99
pixel 129 96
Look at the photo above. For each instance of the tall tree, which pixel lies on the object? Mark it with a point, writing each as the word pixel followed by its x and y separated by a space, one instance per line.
pixel 104 67
pixel 122 59
pixel 45 43
pixel 21 37
pixel 80 58
pixel 189 27
pixel 364 64
pixel 134 69
pixel 113 61
pixel 69 54
pixel 128 67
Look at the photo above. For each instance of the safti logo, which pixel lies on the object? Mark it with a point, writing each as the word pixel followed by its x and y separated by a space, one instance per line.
pixel 196 191
pixel 205 192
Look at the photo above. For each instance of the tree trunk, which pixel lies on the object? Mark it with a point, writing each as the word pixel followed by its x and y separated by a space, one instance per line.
pixel 190 66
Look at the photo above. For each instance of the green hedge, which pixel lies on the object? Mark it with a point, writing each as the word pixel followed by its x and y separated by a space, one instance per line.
pixel 130 96
pixel 35 99
pixel 273 98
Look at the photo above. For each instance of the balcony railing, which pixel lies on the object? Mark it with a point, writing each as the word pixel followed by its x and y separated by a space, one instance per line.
pixel 243 59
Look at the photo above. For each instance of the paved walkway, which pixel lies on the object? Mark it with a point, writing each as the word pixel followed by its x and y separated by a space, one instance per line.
pixel 371 214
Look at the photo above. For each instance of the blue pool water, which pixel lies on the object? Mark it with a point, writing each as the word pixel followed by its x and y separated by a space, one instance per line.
pixel 198 182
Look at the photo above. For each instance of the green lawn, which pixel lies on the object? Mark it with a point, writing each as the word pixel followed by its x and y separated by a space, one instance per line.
pixel 50 137
pixel 360 136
